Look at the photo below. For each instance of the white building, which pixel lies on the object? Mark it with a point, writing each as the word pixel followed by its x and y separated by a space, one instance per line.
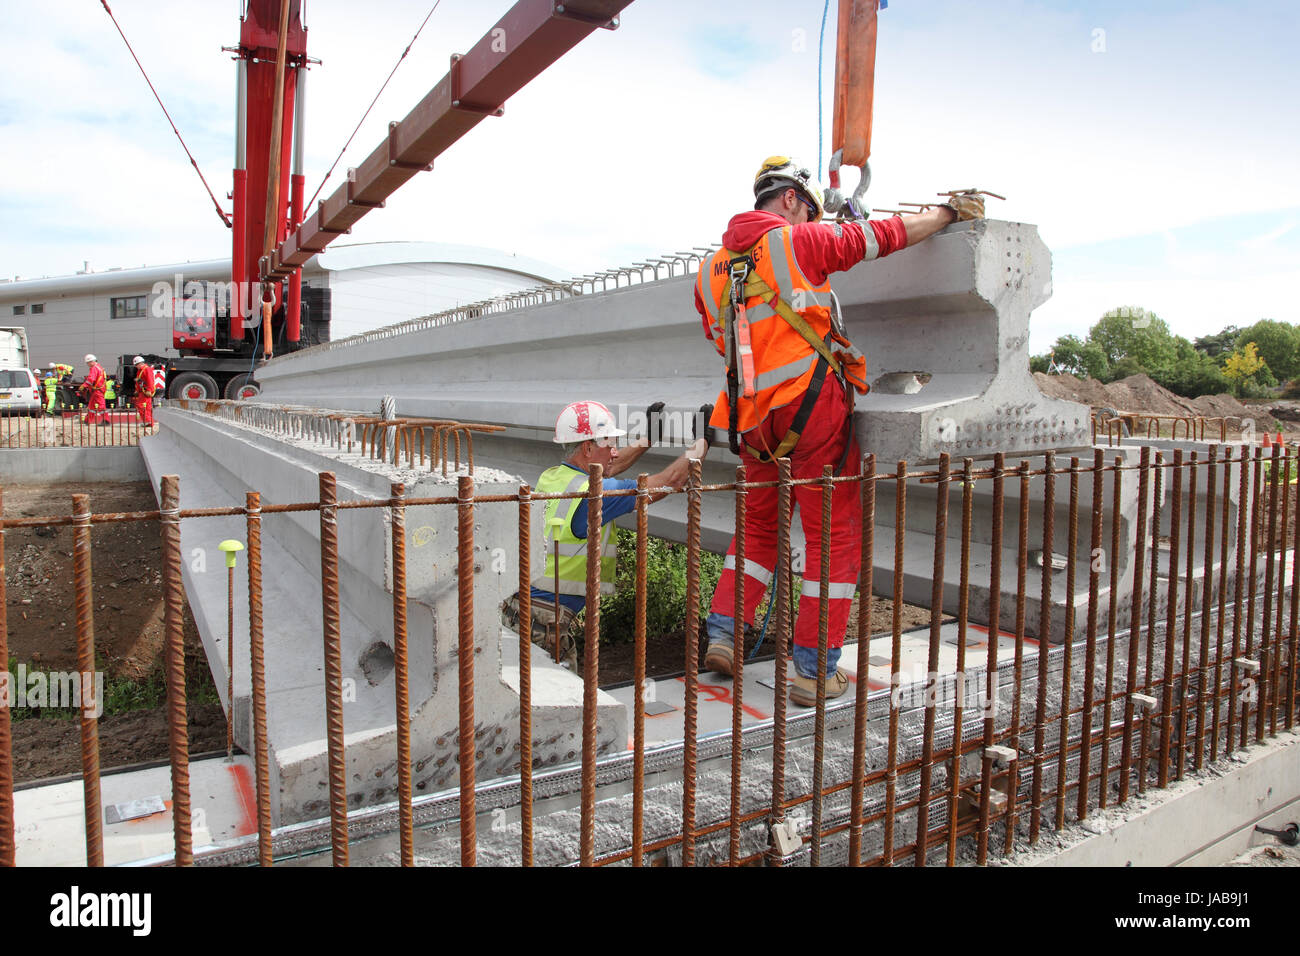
pixel 371 285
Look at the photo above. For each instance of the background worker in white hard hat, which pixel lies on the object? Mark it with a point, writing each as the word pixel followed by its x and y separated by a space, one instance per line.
pixel 590 436
pixel 765 298
pixel 93 389
pixel 145 386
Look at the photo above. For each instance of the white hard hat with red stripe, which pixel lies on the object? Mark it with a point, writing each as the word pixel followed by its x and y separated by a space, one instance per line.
pixel 585 421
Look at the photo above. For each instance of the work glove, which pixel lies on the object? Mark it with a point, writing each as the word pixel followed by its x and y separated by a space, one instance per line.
pixel 966 205
pixel 703 429
pixel 654 426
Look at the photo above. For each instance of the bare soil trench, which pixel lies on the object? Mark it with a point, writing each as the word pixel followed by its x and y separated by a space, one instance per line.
pixel 126 575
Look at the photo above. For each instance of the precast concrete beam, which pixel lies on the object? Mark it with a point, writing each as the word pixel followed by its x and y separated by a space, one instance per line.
pixel 217 462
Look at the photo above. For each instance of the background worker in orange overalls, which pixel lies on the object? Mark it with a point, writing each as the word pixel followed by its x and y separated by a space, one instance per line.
pixel 799 373
pixel 145 386
pixel 93 389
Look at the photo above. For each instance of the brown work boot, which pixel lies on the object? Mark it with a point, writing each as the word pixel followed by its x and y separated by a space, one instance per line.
pixel 804 689
pixel 542 623
pixel 720 658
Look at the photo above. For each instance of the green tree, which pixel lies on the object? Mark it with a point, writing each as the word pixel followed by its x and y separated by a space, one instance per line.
pixel 1218 346
pixel 1135 333
pixel 1083 358
pixel 1192 372
pixel 1249 374
pixel 1278 344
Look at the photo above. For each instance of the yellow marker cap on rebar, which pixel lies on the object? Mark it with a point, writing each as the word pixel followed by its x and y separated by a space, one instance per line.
pixel 230 546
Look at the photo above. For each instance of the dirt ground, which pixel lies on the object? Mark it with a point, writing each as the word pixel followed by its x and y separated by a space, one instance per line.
pixel 128 617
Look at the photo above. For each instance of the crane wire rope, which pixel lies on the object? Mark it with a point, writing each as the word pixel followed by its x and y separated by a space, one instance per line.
pixel 307 204
pixel 821 42
pixel 220 212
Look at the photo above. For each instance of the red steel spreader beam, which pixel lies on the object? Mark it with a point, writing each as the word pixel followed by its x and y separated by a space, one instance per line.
pixel 528 39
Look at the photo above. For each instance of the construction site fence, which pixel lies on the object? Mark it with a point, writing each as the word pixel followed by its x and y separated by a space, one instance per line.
pixel 1167 704
pixel 114 428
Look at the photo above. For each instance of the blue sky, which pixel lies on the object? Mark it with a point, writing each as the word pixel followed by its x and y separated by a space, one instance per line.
pixel 1152 143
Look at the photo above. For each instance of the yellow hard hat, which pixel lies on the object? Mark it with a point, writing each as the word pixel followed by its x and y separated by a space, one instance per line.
pixel 782 172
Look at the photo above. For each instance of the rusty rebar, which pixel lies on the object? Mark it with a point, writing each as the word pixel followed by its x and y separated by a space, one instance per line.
pixel 1158 498
pixel 638 730
pixel 784 494
pixel 1223 597
pixel 1044 646
pixel 991 663
pixel 1266 694
pixel 333 659
pixel 1207 596
pixel 401 677
pixel 591 663
pixel 738 670
pixel 959 690
pixel 1090 662
pixel 1188 593
pixel 1135 618
pixel 691 706
pixel 932 668
pixel 177 722
pixel 7 850
pixel 465 666
pixel 895 662
pixel 1244 506
pixel 1294 633
pixel 86 664
pixel 1171 615
pixel 1256 530
pixel 1067 648
pixel 1014 727
pixel 525 629
pixel 257 676
pixel 866 560
pixel 1278 546
pixel 1103 788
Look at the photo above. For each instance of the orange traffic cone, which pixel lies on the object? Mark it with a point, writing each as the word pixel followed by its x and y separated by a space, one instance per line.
pixel 1268 440
pixel 1279 442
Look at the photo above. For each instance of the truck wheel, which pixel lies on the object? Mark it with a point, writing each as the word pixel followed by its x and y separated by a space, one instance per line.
pixel 242 387
pixel 193 385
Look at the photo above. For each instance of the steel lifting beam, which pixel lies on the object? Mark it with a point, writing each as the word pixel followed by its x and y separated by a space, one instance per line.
pixel 528 39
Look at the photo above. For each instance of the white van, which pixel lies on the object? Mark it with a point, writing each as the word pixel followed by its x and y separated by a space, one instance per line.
pixel 20 392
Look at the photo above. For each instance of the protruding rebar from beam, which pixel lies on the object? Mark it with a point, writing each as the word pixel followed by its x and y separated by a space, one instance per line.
pixel 81 576
pixel 401 676
pixel 866 563
pixel 525 629
pixel 737 670
pixel 591 665
pixel 932 667
pixel 465 667
pixel 333 659
pixel 169 499
pixel 691 707
pixel 257 676
pixel 1044 646
pixel 7 847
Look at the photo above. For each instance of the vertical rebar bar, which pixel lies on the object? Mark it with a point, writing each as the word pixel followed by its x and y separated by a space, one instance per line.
pixel 1090 663
pixel 1015 729
pixel 1044 646
pixel 1188 594
pixel 6 739
pixel 1171 616
pixel 1266 693
pixel 401 679
pixel 738 671
pixel 1135 619
pixel 333 657
pixel 1294 633
pixel 257 675
pixel 1116 509
pixel 784 494
pixel 895 661
pixel 1223 597
pixel 1256 531
pixel 932 661
pixel 1067 647
pixel 465 666
pixel 866 561
pixel 959 688
pixel 1243 508
pixel 86 664
pixel 1279 547
pixel 693 496
pixel 1157 501
pixel 638 730
pixel 1207 596
pixel 525 627
pixel 591 663
pixel 823 651
pixel 169 499
pixel 991 664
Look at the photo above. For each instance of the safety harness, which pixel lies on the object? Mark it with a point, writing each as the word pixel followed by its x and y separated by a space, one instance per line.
pixel 746 284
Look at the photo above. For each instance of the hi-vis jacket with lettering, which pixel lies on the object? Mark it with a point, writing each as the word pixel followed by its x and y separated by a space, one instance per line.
pixel 796 263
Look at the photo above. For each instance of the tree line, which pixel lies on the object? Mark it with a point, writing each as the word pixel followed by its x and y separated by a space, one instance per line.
pixel 1250 362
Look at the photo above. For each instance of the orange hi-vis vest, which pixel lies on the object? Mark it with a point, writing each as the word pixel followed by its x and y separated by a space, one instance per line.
pixel 791 337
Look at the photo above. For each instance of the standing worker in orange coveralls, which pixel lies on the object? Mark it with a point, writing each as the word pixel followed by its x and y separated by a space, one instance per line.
pixel 93 388
pixel 145 386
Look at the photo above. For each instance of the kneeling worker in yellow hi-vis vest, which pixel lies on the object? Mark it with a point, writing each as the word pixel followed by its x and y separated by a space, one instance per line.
pixel 589 434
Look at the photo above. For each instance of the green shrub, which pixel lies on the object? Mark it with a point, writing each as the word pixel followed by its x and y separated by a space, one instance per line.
pixel 665 589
